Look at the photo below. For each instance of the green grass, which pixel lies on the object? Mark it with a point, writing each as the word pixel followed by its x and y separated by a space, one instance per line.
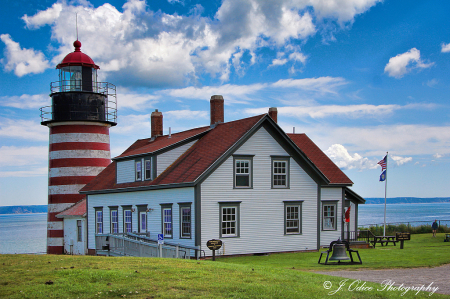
pixel 421 251
pixel 25 276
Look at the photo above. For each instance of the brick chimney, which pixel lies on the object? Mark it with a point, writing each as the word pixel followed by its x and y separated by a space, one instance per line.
pixel 216 104
pixel 157 123
pixel 273 113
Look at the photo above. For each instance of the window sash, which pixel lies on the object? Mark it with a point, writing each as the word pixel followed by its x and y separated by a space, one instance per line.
pixel 127 221
pixel 148 169
pixel 138 170
pixel 229 221
pixel 143 222
pixel 242 170
pixel 99 222
pixel 292 219
pixel 114 222
pixel 279 173
pixel 185 222
pixel 329 217
pixel 167 222
pixel 79 231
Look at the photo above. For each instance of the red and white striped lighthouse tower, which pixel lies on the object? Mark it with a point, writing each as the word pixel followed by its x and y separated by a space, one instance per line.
pixel 79 119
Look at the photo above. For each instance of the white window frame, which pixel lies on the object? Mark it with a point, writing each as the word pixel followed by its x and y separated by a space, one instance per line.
pixel 114 221
pixel 99 221
pixel 127 219
pixel 329 214
pixel 143 222
pixel 79 231
pixel 167 221
pixel 242 170
pixel 289 218
pixel 185 222
pixel 138 170
pixel 275 171
pixel 229 219
pixel 148 169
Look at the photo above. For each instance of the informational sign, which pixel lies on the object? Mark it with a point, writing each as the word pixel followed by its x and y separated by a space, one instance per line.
pixel 402 236
pixel 160 239
pixel 214 245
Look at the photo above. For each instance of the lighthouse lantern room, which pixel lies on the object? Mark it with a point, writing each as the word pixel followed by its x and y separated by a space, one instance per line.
pixel 79 118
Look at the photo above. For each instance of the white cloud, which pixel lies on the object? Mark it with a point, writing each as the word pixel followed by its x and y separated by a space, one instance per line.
pixel 23 129
pixel 401 160
pixel 404 63
pixel 445 48
pixel 32 172
pixel 21 156
pixel 437 156
pixel 277 62
pixel 26 101
pixel 22 61
pixel 141 47
pixel 341 157
pixel 135 101
pixel 44 17
pixel 321 84
pixel 433 82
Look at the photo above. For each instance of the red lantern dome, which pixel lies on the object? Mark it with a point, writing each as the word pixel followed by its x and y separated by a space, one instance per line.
pixel 77 58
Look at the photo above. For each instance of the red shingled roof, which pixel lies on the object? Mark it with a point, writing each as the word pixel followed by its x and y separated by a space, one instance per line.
pixel 189 166
pixel 78 209
pixel 318 157
pixel 146 146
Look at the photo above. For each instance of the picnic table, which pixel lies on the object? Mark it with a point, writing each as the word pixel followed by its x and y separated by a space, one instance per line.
pixel 383 240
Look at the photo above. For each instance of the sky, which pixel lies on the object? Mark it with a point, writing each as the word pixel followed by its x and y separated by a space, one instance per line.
pixel 360 77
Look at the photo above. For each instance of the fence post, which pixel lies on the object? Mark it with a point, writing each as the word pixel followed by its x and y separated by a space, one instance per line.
pixel 176 254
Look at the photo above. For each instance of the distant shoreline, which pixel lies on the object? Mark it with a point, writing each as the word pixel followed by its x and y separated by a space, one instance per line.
pixel 33 209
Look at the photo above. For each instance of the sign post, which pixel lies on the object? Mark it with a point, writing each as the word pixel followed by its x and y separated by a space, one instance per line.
pixel 214 245
pixel 160 243
pixel 402 237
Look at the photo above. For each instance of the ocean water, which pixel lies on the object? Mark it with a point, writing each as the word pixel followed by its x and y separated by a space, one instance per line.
pixel 415 214
pixel 27 233
pixel 23 233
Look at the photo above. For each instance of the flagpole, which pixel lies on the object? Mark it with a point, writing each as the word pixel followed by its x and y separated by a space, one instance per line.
pixel 385 193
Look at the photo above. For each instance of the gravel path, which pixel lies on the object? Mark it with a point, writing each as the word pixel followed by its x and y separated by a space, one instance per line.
pixel 438 276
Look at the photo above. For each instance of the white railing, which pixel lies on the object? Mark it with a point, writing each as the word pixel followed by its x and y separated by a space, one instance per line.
pixel 141 246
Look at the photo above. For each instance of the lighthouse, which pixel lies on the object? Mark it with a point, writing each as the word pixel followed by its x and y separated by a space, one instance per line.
pixel 79 118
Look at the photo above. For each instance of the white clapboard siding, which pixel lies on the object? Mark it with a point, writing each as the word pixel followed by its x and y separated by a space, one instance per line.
pixel 166 159
pixel 125 171
pixel 153 199
pixel 262 208
pixel 331 194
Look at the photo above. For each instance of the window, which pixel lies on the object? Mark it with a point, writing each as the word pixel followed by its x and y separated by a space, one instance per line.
pixel 79 231
pixel 229 219
pixel 142 222
pixel 166 213
pixel 138 171
pixel 280 172
pixel 148 169
pixel 329 216
pixel 114 221
pixel 185 221
pixel 242 172
pixel 99 221
pixel 292 217
pixel 127 220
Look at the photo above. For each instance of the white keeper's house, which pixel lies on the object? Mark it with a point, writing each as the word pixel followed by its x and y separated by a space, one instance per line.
pixel 246 182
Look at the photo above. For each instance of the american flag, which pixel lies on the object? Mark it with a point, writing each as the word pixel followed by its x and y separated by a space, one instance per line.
pixel 383 163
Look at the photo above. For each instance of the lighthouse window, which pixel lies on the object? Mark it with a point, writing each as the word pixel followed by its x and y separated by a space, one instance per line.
pixel 71 78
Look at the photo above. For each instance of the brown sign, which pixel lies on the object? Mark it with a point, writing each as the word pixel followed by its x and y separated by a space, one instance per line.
pixel 402 236
pixel 214 244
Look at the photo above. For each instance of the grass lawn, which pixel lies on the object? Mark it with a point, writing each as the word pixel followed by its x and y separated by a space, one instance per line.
pixel 53 276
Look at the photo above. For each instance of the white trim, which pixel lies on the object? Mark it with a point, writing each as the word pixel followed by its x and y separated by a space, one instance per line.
pixel 55 241
pixel 75 171
pixel 58 207
pixel 55 225
pixel 65 189
pixel 71 123
pixel 79 137
pixel 80 154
